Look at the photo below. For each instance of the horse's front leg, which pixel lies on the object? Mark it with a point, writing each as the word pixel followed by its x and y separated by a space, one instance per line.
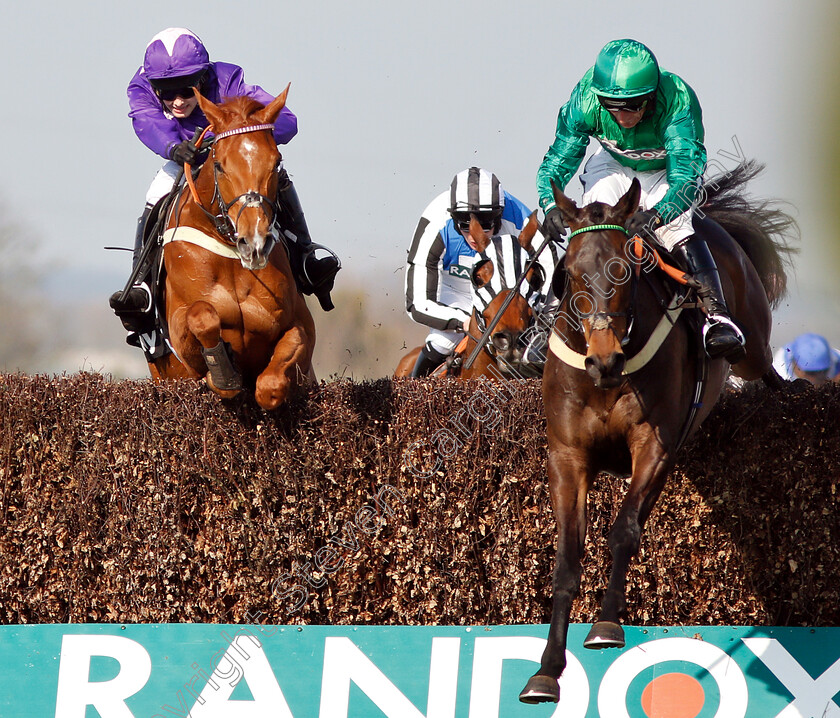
pixel 204 323
pixel 569 480
pixel 290 366
pixel 651 465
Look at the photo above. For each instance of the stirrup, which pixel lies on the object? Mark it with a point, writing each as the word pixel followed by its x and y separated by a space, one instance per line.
pixel 322 285
pixel 734 353
pixel 308 255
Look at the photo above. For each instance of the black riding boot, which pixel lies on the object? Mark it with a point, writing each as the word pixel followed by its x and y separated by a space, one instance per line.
pixel 313 274
pixel 721 335
pixel 429 360
pixel 134 310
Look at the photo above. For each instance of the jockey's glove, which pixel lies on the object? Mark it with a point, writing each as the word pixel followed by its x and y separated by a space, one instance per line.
pixel 643 222
pixel 184 153
pixel 554 225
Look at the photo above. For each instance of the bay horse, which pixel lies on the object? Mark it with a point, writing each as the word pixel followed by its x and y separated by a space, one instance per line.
pixel 234 314
pixel 627 380
pixel 500 261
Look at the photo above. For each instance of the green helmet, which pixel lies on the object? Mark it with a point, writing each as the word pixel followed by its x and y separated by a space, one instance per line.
pixel 625 68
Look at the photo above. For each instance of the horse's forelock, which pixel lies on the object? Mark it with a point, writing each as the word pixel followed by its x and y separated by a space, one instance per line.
pixel 239 108
pixel 597 212
pixel 589 252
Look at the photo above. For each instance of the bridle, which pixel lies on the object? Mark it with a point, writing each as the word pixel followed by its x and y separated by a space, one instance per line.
pixel 598 321
pixel 224 225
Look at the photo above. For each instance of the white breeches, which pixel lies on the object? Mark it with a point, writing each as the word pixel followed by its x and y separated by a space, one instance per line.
pixel 605 180
pixel 453 292
pixel 444 341
pixel 162 183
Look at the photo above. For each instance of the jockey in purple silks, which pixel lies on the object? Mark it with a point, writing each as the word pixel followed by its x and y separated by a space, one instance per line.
pixel 165 115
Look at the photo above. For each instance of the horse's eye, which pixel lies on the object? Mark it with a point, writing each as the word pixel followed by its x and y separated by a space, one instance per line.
pixel 218 167
pixel 501 342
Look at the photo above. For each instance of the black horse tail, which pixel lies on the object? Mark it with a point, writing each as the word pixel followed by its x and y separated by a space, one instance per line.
pixel 763 229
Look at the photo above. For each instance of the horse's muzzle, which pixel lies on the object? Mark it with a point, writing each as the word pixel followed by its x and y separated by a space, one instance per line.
pixel 606 371
pixel 253 257
pixel 506 346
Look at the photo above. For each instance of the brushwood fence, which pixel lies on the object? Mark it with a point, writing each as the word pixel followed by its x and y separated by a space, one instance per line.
pixel 391 503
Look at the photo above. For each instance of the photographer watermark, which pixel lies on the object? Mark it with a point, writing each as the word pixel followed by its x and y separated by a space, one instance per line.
pixel 330 558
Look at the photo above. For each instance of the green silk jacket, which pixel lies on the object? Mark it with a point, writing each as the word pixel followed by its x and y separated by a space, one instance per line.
pixel 670 137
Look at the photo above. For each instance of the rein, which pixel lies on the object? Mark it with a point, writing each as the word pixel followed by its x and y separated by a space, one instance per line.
pixel 672 272
pixel 225 226
pixel 638 242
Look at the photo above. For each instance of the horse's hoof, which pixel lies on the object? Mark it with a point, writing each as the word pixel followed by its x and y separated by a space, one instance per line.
pixel 605 634
pixel 222 393
pixel 540 689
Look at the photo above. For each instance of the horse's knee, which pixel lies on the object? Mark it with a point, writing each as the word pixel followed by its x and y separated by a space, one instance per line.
pixel 272 390
pixel 625 535
pixel 204 322
pixel 566 580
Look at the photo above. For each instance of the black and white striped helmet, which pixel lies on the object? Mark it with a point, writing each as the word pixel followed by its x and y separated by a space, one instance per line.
pixel 476 191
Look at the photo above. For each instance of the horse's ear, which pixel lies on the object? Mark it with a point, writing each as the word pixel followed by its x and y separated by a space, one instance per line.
pixel 270 112
pixel 207 107
pixel 629 203
pixel 566 206
pixel 528 232
pixel 536 277
pixel 482 273
pixel 477 234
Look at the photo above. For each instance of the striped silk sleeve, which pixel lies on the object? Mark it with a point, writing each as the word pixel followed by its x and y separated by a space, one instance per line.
pixel 422 279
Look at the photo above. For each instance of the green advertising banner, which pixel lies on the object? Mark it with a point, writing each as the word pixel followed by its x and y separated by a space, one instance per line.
pixel 262 671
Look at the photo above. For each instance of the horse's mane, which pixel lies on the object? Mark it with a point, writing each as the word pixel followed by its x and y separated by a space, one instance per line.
pixel 763 229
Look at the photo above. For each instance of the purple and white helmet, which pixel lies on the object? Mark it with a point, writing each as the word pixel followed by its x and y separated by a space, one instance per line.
pixel 175 53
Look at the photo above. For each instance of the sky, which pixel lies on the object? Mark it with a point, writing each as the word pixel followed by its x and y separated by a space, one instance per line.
pixel 392 100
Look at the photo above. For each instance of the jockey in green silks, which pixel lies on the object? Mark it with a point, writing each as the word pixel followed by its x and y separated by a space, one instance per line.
pixel 649 124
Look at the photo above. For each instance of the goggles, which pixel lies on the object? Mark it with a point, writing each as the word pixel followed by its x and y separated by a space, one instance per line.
pixel 631 104
pixel 168 88
pixel 486 220
pixel 169 95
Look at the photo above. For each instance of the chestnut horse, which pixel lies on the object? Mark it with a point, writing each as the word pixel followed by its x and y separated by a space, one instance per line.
pixel 495 272
pixel 234 314
pixel 627 382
